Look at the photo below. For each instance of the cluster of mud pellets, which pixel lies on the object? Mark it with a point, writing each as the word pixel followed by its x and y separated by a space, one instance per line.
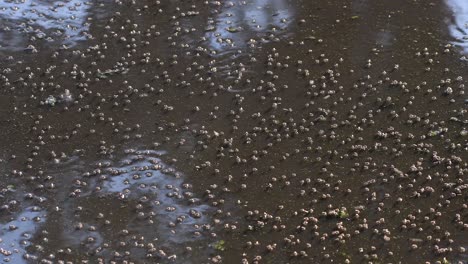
pixel 231 132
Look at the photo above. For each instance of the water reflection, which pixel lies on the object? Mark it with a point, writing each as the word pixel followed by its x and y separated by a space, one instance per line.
pixel 15 235
pixel 241 24
pixel 458 26
pixel 23 21
pixel 144 175
pixel 235 30
pixel 116 200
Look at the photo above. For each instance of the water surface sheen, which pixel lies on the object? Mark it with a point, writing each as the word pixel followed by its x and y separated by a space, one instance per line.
pixel 233 131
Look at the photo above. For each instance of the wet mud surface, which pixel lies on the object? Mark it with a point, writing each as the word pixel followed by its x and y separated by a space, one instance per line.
pixel 233 131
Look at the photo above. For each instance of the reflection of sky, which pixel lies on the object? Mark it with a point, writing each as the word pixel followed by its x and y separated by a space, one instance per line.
pixel 242 22
pixel 158 182
pixel 458 27
pixel 65 20
pixel 153 182
pixel 18 239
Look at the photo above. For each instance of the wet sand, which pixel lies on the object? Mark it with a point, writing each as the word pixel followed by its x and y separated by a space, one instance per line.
pixel 233 132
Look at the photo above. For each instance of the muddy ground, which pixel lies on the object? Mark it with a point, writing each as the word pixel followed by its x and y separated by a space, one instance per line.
pixel 280 131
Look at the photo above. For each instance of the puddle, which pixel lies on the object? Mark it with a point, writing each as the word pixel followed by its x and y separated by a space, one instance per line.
pixel 25 22
pixel 217 131
pixel 16 235
pixel 458 23
pixel 241 24
pixel 138 197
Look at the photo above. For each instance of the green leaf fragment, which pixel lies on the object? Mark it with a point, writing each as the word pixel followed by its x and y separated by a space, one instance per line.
pixel 220 245
pixel 433 133
pixel 233 29
pixel 343 214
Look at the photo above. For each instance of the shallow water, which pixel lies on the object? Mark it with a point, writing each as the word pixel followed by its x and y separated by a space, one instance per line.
pixel 458 22
pixel 57 23
pixel 233 132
